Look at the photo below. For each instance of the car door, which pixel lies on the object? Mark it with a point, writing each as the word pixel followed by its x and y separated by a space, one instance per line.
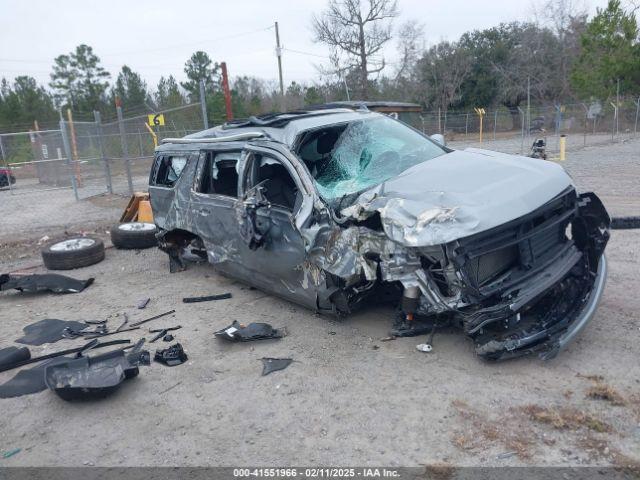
pixel 277 258
pixel 169 202
pixel 214 199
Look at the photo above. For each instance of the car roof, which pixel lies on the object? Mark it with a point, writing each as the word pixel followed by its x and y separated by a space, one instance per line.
pixel 282 128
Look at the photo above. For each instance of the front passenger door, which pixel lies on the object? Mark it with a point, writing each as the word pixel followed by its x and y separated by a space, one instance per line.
pixel 273 195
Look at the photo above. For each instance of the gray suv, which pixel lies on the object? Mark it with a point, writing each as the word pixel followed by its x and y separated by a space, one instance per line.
pixel 336 209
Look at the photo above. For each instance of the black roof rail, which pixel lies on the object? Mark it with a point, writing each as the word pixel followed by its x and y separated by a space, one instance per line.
pixel 278 119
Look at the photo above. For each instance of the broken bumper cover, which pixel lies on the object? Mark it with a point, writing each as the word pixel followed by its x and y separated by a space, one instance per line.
pixel 588 310
pixel 544 325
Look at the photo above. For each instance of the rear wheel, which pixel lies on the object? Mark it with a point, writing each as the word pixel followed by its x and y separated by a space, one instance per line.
pixel 73 253
pixel 134 235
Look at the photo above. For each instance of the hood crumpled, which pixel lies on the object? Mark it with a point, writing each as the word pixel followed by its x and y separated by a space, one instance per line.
pixel 459 194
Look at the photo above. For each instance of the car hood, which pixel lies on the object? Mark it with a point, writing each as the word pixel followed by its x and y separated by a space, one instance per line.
pixel 459 194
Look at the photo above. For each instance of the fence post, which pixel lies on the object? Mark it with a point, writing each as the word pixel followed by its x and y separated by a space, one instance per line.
pixel 6 164
pixel 495 122
pixel 635 128
pixel 203 105
pixel 466 127
pixel 615 121
pixel 125 148
pixel 522 121
pixel 67 154
pixel 107 168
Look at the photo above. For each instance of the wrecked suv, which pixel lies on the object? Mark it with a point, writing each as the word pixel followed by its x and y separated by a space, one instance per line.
pixel 335 209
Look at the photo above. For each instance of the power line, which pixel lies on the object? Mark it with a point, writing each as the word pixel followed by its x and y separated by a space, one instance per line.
pixel 304 53
pixel 159 49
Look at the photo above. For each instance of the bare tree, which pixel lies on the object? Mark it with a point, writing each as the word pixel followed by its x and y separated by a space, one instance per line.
pixel 410 44
pixel 442 70
pixel 567 19
pixel 357 30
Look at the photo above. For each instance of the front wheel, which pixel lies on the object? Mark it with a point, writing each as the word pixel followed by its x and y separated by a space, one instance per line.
pixel 134 235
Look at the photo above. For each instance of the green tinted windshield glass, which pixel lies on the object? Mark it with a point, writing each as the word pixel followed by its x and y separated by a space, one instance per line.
pixel 368 152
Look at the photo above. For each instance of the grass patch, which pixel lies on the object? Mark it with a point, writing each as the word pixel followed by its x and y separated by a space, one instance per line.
pixel 565 418
pixel 483 431
pixel 605 392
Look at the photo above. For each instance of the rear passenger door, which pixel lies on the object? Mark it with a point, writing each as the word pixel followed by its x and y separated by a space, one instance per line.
pixel 214 196
pixel 163 181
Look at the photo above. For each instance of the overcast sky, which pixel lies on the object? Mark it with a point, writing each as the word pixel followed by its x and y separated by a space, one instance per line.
pixel 156 37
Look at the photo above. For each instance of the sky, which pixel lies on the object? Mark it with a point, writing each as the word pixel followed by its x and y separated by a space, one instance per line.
pixel 155 38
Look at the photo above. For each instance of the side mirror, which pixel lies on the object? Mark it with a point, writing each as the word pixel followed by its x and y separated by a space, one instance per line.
pixel 439 138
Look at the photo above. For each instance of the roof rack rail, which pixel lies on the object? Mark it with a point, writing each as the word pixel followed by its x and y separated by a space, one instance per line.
pixel 227 138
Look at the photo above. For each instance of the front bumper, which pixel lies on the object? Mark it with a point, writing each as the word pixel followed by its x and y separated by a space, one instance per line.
pixel 551 290
pixel 588 310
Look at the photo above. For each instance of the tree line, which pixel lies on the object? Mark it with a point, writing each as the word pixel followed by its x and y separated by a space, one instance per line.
pixel 562 55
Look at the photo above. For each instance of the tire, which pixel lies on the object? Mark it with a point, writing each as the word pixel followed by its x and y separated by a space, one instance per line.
pixel 3 181
pixel 624 223
pixel 134 235
pixel 76 252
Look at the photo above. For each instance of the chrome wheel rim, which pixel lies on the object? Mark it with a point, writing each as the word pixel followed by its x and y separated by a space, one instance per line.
pixel 137 227
pixel 72 245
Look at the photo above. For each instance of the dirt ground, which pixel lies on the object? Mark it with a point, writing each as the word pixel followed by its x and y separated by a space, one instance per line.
pixel 349 398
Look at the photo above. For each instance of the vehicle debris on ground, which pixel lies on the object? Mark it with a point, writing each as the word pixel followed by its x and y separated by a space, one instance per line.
pixel 237 332
pixel 207 298
pixel 162 332
pixel 49 330
pixel 270 365
pixel 87 378
pixel 171 356
pixel 41 282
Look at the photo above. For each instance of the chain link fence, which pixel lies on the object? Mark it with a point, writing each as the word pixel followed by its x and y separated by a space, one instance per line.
pixel 583 123
pixel 90 158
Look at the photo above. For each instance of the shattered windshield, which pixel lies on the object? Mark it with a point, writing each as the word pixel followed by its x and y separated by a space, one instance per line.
pixel 349 158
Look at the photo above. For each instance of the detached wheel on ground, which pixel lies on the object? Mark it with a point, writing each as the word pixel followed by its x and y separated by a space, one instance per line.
pixel 134 235
pixel 73 253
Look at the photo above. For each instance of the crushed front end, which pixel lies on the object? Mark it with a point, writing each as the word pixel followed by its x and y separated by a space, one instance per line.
pixel 524 287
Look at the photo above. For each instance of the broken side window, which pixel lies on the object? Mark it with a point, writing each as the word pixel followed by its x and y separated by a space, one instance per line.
pixel 168 169
pixel 279 188
pixel 220 174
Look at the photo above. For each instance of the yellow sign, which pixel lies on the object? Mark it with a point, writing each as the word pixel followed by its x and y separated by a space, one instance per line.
pixel 156 120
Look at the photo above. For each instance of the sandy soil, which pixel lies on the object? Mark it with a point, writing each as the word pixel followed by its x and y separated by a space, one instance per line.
pixel 349 398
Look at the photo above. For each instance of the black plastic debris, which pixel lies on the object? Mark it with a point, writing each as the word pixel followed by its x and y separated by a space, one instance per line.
pixel 208 298
pixel 49 330
pixel 237 332
pixel 274 364
pixel 171 356
pixel 93 344
pixel 155 317
pixel 11 355
pixel 143 303
pixel 43 282
pixel 161 332
pixel 27 382
pixel 95 377
pixel 168 338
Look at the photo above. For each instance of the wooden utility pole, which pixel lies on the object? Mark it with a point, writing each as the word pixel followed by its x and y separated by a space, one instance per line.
pixel 279 55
